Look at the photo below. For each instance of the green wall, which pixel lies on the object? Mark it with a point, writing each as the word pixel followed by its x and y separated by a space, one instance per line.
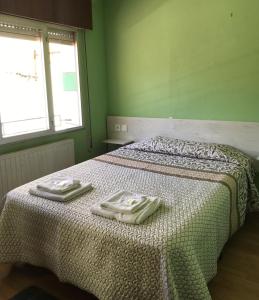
pixel 185 59
pixel 94 42
pixel 97 78
pixel 257 180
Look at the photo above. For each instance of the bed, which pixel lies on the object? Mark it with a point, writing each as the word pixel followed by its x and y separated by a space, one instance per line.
pixel 206 190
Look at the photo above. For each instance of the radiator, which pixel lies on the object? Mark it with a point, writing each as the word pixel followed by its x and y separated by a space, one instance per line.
pixel 24 166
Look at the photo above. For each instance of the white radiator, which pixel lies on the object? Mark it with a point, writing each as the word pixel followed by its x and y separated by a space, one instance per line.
pixel 24 166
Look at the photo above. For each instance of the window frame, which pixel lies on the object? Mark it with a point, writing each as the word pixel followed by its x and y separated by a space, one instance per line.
pixel 44 28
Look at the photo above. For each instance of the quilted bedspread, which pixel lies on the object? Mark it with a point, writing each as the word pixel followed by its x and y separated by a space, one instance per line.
pixel 172 255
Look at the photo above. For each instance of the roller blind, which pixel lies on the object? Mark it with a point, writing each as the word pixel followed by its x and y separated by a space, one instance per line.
pixel 76 13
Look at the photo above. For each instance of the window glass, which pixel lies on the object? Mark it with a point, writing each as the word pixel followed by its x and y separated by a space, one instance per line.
pixel 23 101
pixel 39 79
pixel 65 84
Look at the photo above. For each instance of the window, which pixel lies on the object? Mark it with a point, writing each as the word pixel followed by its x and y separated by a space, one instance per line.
pixel 64 75
pixel 39 79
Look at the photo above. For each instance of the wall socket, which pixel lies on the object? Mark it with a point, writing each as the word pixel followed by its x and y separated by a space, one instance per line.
pixel 124 127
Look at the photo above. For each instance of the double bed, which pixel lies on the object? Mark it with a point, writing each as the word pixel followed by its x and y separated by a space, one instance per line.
pixel 205 189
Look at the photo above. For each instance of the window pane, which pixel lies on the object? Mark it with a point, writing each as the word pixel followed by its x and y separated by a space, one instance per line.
pixel 65 85
pixel 23 101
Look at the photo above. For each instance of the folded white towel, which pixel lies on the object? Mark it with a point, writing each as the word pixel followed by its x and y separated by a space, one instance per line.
pixel 141 215
pixel 124 202
pixel 151 206
pixel 64 197
pixel 58 185
pixel 99 211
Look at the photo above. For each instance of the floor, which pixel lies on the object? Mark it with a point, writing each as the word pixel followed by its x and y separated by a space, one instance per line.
pixel 23 277
pixel 237 278
pixel 238 270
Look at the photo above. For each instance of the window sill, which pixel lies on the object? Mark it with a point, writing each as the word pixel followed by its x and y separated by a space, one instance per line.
pixel 35 135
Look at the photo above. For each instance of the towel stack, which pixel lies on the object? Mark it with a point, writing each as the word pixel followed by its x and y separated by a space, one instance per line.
pixel 127 207
pixel 60 189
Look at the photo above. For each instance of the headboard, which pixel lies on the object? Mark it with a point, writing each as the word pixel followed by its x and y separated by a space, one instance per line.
pixel 242 135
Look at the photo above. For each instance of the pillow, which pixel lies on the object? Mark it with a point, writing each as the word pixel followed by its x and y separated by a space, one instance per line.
pixel 193 149
pixel 209 151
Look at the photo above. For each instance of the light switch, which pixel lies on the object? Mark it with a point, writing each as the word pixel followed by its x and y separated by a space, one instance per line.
pixel 117 127
pixel 124 127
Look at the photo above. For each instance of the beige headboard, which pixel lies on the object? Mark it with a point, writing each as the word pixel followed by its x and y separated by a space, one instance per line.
pixel 242 135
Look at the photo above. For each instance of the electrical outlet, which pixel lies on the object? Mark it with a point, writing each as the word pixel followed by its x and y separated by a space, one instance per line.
pixel 124 127
pixel 117 127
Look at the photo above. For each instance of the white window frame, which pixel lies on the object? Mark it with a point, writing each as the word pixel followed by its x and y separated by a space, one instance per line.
pixel 44 28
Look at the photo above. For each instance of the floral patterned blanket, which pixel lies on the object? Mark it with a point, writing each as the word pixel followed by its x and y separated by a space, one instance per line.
pixel 172 255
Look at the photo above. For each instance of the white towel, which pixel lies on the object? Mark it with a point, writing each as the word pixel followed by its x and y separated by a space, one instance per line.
pixel 152 205
pixel 58 185
pixel 124 202
pixel 140 216
pixel 64 197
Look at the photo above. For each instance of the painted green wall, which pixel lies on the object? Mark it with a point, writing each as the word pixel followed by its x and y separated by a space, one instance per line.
pixel 257 180
pixel 97 78
pixel 185 59
pixel 94 42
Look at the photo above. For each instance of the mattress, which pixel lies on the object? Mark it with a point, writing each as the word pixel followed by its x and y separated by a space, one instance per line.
pixel 172 255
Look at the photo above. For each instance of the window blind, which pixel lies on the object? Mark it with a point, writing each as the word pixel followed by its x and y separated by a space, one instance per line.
pixel 76 13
